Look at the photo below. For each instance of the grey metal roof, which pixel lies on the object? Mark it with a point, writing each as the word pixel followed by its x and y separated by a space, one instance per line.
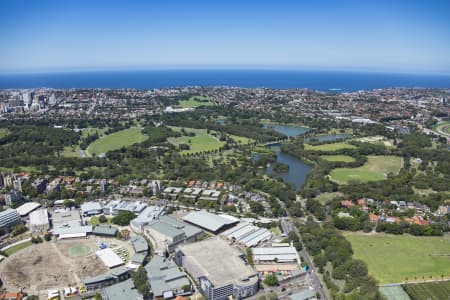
pixel 139 243
pixel 207 220
pixel 72 230
pixel 90 206
pixel 122 290
pixel 303 295
pixel 164 275
pixel 105 230
pixel 138 258
pixel 116 272
pixel 28 207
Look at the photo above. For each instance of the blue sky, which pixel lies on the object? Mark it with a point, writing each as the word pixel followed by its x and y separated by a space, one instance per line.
pixel 394 36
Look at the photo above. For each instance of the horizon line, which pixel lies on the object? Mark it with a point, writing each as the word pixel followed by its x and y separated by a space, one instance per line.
pixel 219 68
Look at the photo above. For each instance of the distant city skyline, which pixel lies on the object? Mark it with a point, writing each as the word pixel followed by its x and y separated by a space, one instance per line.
pixel 371 36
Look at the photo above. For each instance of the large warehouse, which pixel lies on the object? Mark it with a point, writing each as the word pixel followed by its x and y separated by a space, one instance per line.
pixel 210 222
pixel 219 268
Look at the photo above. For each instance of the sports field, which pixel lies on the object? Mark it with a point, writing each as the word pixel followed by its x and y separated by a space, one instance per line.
pixel 376 168
pixel 202 141
pixel 194 102
pixel 428 290
pixel 401 258
pixel 443 128
pixel 329 147
pixel 395 292
pixel 338 158
pixel 116 140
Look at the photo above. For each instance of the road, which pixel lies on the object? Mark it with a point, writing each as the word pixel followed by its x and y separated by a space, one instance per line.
pixel 312 274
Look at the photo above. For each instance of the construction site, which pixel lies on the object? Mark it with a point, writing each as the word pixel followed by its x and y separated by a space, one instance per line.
pixel 55 264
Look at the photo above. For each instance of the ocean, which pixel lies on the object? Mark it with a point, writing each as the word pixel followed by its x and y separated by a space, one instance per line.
pixel 278 79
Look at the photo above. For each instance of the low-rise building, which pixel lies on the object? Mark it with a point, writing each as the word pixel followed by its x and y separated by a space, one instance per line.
pixel 91 208
pixel 105 230
pixel 209 221
pixel 26 208
pixel 166 279
pixel 114 276
pixel 39 221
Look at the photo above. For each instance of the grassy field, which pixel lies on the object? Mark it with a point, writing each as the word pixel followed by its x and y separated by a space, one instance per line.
pixel 376 168
pixel 3 132
pixel 241 140
pixel 325 197
pixel 339 158
pixel 91 130
pixel 116 140
pixel 393 259
pixel 193 102
pixel 18 247
pixel 94 221
pixel 429 290
pixel 202 141
pixel 329 147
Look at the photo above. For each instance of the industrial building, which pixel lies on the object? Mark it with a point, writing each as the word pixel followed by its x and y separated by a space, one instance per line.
pixel 116 275
pixel 209 221
pixel 91 208
pixel 167 232
pixel 139 244
pixel 247 234
pixel 39 221
pixel 8 219
pixel 165 278
pixel 220 269
pixel 105 230
pixel 120 291
pixel 276 259
pixel 26 208
pixel 116 206
pixel 68 224
pixel 149 214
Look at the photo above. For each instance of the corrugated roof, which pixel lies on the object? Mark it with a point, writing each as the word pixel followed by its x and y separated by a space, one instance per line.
pixel 209 221
pixel 90 206
pixel 122 290
pixel 28 207
pixel 139 243
pixel 105 230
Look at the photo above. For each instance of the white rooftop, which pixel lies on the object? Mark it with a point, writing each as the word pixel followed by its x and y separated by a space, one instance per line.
pixel 39 217
pixel 28 207
pixel 109 258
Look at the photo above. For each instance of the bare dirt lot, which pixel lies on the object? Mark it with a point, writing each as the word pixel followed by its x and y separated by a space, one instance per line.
pixel 54 264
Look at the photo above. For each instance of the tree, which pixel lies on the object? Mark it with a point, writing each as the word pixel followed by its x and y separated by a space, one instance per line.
pixel 18 229
pixel 123 218
pixel 271 280
pixel 102 219
pixel 140 281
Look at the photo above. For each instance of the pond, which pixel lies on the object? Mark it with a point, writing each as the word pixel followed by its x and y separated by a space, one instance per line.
pixel 298 170
pixel 287 130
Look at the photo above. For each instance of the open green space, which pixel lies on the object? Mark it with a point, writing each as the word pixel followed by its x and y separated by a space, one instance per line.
pixel 241 140
pixel 92 130
pixel 401 258
pixel 326 197
pixel 376 168
pixel 429 290
pixel 116 140
pixel 329 147
pixel 202 141
pixel 3 132
pixel 71 151
pixel 79 250
pixel 94 221
pixel 18 247
pixel 338 158
pixel 195 101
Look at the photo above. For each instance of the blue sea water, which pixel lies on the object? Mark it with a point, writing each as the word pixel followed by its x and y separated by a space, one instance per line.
pixel 279 79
